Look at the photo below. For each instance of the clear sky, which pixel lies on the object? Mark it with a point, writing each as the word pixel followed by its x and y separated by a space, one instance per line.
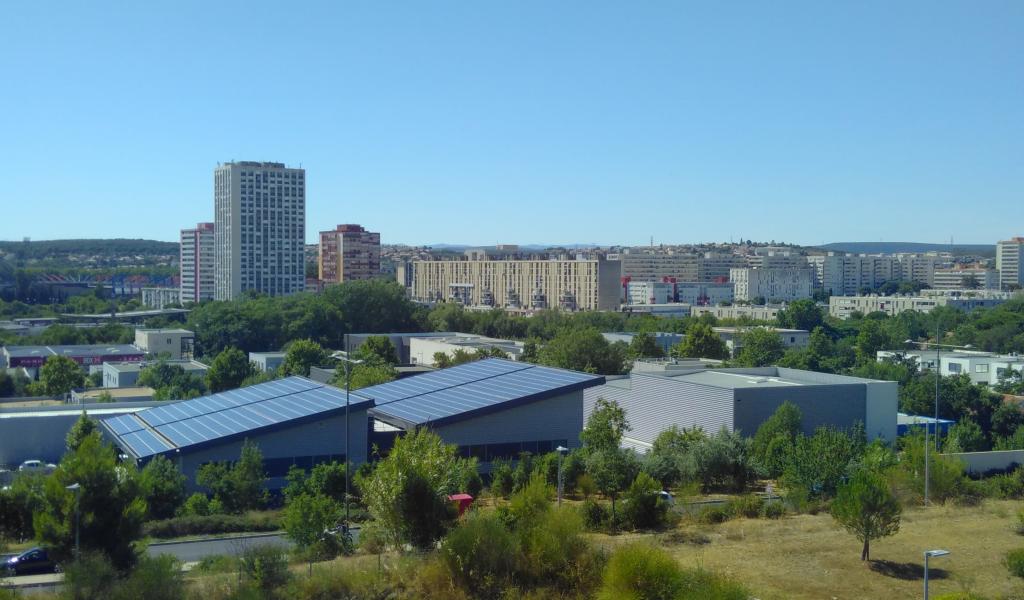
pixel 522 121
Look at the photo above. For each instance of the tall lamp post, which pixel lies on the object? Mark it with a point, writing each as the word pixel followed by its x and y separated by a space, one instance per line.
pixel 562 450
pixel 930 554
pixel 938 383
pixel 348 362
pixel 77 489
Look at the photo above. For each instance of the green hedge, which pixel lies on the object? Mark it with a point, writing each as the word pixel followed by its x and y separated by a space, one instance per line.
pixel 204 525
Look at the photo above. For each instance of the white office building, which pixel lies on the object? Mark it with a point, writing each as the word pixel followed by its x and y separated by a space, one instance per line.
pixel 196 263
pixel 259 229
pixel 1010 263
pixel 774 285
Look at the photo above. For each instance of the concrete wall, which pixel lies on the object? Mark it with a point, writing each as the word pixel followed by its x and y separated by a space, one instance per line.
pixel 323 437
pixel 996 460
pixel 558 418
pixel 653 404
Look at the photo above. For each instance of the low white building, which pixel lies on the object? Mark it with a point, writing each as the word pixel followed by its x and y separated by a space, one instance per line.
pixel 754 313
pixel 844 306
pixel 422 350
pixel 267 362
pixel 982 367
pixel 954 279
pixel 790 338
pixel 174 344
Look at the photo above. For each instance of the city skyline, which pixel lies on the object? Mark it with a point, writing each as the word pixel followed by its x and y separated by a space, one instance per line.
pixel 530 124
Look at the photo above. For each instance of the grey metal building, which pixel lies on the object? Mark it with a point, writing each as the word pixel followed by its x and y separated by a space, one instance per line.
pixel 742 399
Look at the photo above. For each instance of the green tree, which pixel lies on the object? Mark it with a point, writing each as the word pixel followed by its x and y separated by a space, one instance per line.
pixel 109 502
pixel 722 461
pixel 801 314
pixel 871 338
pixel 307 516
pixel 365 375
pixel 605 426
pixel 163 487
pixel 819 463
pixel 83 428
pixel 418 463
pixel 965 436
pixel 612 469
pixel 778 433
pixel 667 459
pixel 644 345
pixel 228 370
pixel 760 347
pixel 867 508
pixel 59 375
pixel 701 341
pixel 583 349
pixel 644 507
pixel 301 355
pixel 239 486
pixel 379 347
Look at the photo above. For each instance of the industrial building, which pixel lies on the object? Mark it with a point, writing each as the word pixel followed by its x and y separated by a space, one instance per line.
pixel 570 284
pixel 742 399
pixel 196 264
pixel 664 340
pixel 348 253
pixel 174 344
pixel 423 349
pixel 90 357
pixel 259 229
pixel 790 338
pixel 491 409
pixel 126 374
pixel 267 362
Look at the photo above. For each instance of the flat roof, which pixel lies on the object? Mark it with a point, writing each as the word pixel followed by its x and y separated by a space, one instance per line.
pixel 176 330
pixel 724 379
pixel 742 328
pixel 268 354
pixel 470 390
pixel 81 350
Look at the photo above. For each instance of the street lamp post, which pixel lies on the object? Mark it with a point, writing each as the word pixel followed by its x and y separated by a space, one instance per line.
pixel 938 383
pixel 77 489
pixel 930 554
pixel 562 450
pixel 343 357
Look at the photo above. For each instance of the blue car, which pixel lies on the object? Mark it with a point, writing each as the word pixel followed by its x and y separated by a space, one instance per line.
pixel 35 560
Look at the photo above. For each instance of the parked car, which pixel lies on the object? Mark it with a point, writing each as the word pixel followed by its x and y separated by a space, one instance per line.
pixel 667 498
pixel 36 560
pixel 36 466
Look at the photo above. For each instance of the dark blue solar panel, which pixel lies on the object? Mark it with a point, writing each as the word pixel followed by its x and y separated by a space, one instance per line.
pixel 123 424
pixel 178 411
pixel 439 380
pixel 529 381
pixel 145 443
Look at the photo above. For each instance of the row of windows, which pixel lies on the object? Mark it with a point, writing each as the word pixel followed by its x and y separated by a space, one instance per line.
pixel 509 450
pixel 278 467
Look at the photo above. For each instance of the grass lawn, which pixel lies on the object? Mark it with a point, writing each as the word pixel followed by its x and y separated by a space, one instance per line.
pixel 809 556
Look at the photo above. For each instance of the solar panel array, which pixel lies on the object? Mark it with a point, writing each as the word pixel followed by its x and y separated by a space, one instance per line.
pixel 477 386
pixel 209 418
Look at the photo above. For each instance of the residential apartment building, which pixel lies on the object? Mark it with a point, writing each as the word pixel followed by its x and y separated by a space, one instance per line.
pixel 197 263
pixel 753 313
pixel 582 284
pixel 349 253
pixel 774 285
pixel 1010 263
pixel 844 275
pixel 717 266
pixel 652 266
pixel 921 267
pixel 776 259
pixel 259 229
pixel 844 306
pixel 650 292
pixel 702 293
pixel 957 278
pixel 159 297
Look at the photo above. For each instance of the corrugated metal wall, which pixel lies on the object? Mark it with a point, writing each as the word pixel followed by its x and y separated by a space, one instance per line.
pixel 556 418
pixel 837 405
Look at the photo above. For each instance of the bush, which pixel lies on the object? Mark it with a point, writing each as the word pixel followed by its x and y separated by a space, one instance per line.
pixel 154 578
pixel 595 515
pixel 266 566
pixel 586 486
pixel 718 513
pixel 1015 562
pixel 553 551
pixel 748 506
pixel 644 508
pixel 202 525
pixel 641 572
pixel 90 576
pixel 196 505
pixel 480 554
pixel 773 510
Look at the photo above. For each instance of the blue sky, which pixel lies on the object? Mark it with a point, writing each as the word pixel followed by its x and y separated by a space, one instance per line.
pixel 522 122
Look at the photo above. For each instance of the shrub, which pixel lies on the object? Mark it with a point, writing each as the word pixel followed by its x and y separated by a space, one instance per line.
pixel 199 525
pixel 554 551
pixel 586 486
pixel 718 513
pixel 773 510
pixel 154 578
pixel 644 508
pixel 266 566
pixel 480 554
pixel 642 572
pixel 501 478
pixel 748 506
pixel 196 505
pixel 89 576
pixel 595 515
pixel 1014 561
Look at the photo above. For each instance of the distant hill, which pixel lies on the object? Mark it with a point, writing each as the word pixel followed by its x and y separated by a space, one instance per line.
pixel 103 247
pixel 893 247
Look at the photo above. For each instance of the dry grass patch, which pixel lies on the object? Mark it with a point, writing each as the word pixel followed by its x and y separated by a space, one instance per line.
pixel 809 556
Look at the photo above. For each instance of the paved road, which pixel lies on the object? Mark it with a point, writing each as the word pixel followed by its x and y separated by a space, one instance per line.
pixel 197 550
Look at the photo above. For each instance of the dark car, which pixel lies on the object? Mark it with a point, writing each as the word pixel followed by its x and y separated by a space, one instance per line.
pixel 35 560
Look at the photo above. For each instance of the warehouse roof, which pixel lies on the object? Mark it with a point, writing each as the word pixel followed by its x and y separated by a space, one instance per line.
pixel 759 377
pixel 226 416
pixel 470 390
pixel 80 350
